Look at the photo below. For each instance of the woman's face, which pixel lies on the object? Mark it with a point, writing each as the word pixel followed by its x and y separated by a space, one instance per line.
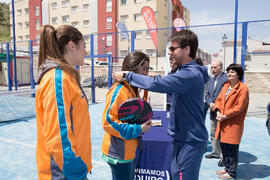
pixel 143 69
pixel 232 76
pixel 79 54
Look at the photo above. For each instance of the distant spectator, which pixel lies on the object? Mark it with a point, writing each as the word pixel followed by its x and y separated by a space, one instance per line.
pixel 169 95
pixel 213 89
pixel 268 119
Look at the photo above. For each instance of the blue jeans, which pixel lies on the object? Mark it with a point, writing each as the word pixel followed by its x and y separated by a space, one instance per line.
pixel 123 171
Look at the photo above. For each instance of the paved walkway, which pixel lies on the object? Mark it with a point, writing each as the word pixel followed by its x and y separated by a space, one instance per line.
pixel 18 139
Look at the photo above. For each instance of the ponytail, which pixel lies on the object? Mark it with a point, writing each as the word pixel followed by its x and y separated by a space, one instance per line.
pixel 52 47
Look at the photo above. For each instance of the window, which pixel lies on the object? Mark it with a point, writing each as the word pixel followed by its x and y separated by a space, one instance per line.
pixel 109 40
pixel 138 35
pixel 74 9
pixel 27 37
pixel 1 67
pixel 109 52
pixel 86 38
pixel 109 23
pixel 26 24
pixel 37 24
pixel 37 10
pixel 85 7
pixel 124 18
pixel 247 57
pixel 26 11
pixel 123 2
pixel 20 25
pixel 165 20
pixel 139 50
pixel 137 17
pixel 54 5
pixel 19 12
pixel 37 38
pixel 108 5
pixel 54 20
pixel 75 24
pixel 148 36
pixel 123 53
pixel 86 23
pixel 65 18
pixel 20 38
pixel 150 52
pixel 137 1
pixel 65 3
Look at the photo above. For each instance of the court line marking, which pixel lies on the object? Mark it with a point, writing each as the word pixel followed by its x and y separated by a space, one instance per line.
pixel 16 142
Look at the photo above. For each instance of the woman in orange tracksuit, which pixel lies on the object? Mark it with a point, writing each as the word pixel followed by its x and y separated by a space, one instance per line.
pixel 63 149
pixel 120 139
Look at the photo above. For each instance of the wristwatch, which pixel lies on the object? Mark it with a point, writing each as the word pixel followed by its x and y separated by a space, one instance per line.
pixel 124 75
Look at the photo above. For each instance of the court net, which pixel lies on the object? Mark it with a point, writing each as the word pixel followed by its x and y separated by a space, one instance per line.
pixel 16 105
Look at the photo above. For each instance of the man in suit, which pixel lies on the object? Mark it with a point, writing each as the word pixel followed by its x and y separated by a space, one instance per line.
pixel 214 87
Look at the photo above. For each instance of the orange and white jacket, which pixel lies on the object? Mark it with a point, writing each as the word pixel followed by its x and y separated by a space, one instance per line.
pixel 120 139
pixel 63 149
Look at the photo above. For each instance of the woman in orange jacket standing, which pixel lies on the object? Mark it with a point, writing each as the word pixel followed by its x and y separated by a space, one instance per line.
pixel 120 139
pixel 63 149
pixel 231 106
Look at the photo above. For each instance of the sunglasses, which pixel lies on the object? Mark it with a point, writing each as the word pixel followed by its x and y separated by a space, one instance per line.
pixel 172 48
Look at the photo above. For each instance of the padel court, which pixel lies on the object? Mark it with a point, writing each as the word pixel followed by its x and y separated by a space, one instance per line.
pixel 18 139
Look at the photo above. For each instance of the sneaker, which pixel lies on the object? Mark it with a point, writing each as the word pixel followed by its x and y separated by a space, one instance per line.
pixel 221 162
pixel 211 156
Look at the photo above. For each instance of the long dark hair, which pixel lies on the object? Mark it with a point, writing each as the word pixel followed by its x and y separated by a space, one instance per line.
pixel 133 61
pixel 53 46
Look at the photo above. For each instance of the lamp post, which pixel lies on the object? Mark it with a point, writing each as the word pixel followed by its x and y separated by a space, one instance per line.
pixel 224 38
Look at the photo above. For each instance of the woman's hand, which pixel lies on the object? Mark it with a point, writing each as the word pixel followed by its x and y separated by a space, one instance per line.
pixel 146 126
pixel 119 76
pixel 220 117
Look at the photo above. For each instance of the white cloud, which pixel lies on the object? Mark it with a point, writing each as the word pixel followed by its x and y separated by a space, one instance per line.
pixel 210 17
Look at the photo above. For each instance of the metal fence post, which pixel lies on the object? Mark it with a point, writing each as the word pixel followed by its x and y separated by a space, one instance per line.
pixel 8 68
pixel 132 41
pixel 14 47
pixel 235 31
pixel 31 65
pixel 92 67
pixel 109 72
pixel 244 44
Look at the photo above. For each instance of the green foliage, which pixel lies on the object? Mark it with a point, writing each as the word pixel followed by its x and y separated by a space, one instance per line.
pixel 4 23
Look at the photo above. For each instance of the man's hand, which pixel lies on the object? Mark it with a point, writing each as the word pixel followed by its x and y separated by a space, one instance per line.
pixel 146 126
pixel 212 105
pixel 119 76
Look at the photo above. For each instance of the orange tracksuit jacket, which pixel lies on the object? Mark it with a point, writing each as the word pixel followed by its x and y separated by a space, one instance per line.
pixel 63 149
pixel 120 139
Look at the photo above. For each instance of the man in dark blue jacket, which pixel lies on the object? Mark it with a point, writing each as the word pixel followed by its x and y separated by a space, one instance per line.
pixel 187 126
pixel 214 87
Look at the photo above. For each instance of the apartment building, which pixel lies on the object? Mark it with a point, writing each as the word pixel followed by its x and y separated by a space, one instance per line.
pixel 31 14
pixel 129 11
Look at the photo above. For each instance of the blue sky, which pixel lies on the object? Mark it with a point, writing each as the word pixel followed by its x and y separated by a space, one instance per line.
pixel 216 11
pixel 223 11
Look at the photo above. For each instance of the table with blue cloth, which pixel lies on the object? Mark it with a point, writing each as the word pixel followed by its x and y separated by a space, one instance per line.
pixel 153 153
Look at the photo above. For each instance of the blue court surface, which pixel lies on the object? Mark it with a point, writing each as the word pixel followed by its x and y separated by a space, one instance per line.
pixel 18 139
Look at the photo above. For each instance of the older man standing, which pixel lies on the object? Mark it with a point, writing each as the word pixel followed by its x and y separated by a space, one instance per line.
pixel 214 87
